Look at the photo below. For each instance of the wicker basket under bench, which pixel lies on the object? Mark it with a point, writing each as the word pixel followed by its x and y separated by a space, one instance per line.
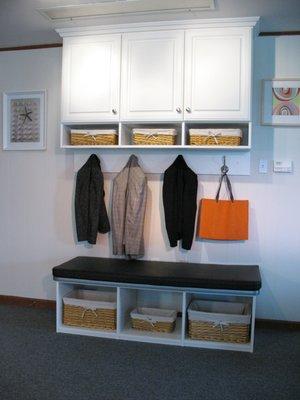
pixel 91 309
pixel 215 137
pixel 153 319
pixel 93 137
pixel 219 321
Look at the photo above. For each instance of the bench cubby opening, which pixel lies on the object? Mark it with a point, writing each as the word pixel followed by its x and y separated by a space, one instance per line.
pixel 88 309
pixel 218 297
pixel 131 299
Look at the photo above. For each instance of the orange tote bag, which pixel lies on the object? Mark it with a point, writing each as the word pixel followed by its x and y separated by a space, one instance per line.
pixel 223 219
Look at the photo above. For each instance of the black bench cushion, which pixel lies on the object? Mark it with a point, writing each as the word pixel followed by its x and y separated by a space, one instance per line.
pixel 208 276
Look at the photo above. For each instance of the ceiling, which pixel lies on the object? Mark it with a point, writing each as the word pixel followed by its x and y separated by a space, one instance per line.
pixel 21 24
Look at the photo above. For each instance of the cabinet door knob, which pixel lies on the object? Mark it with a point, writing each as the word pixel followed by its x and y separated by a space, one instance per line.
pixel 188 110
pixel 178 109
pixel 114 111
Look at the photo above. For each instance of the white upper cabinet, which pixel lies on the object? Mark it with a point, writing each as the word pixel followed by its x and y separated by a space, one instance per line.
pixel 91 78
pixel 152 76
pixel 158 71
pixel 218 74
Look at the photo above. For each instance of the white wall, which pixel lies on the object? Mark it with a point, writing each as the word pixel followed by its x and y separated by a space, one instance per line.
pixel 36 196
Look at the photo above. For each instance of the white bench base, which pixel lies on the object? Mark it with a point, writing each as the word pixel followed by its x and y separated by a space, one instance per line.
pixel 127 295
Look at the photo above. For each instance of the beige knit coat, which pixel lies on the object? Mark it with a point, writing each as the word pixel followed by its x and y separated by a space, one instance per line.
pixel 128 210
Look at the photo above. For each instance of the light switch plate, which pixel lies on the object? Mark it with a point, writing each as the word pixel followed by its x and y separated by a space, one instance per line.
pixel 263 166
pixel 283 166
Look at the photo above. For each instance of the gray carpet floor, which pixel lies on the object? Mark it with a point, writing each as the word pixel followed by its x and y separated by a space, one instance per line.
pixel 38 364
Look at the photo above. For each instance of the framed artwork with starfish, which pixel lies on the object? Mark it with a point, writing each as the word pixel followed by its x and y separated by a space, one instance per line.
pixel 24 125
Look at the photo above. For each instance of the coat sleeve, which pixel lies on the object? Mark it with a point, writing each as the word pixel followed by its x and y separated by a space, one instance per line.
pixel 103 225
pixel 189 210
pixel 135 214
pixel 81 206
pixel 118 214
pixel 93 205
pixel 169 203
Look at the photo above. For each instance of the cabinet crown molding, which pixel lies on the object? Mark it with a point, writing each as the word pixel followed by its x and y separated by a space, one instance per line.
pixel 176 24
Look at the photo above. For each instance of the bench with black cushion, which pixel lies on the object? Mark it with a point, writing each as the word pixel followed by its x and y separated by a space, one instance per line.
pixel 159 273
pixel 164 285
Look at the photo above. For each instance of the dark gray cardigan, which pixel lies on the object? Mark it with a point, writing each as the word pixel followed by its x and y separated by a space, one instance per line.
pixel 90 211
pixel 180 202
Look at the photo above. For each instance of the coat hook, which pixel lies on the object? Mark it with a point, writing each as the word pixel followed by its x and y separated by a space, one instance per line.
pixel 224 168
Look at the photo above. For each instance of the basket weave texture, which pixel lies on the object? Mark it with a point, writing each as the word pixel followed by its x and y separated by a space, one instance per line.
pixel 231 333
pixel 143 325
pixel 159 137
pixel 99 318
pixel 215 137
pixel 203 140
pixel 219 321
pixel 84 139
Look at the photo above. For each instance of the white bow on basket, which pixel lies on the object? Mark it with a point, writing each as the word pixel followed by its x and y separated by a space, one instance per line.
pixel 88 309
pixel 89 135
pixel 149 319
pixel 214 136
pixel 152 135
pixel 221 325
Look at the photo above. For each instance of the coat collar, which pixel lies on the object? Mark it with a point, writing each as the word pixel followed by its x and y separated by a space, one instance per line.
pixel 93 161
pixel 180 162
pixel 132 161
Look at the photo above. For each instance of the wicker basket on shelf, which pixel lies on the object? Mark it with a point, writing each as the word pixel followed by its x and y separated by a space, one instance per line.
pixel 153 319
pixel 90 309
pixel 159 137
pixel 219 321
pixel 93 137
pixel 215 137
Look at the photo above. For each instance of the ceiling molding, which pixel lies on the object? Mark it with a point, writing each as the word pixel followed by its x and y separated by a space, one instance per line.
pixel 123 7
pixel 140 26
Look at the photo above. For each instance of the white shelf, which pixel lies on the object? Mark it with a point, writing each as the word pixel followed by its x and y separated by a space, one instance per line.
pixel 86 332
pixel 68 146
pixel 218 345
pixel 124 130
pixel 176 147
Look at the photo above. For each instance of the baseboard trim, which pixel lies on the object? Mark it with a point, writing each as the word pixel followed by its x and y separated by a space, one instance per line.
pixel 277 324
pixel 27 302
pixel 51 304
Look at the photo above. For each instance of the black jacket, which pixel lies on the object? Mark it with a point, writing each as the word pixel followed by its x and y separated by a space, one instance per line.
pixel 90 211
pixel 180 202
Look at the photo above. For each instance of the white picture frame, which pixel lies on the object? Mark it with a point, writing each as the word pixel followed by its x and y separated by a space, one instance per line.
pixel 12 103
pixel 280 102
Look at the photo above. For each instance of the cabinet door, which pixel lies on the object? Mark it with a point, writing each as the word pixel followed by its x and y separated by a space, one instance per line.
pixel 218 74
pixel 91 78
pixel 152 76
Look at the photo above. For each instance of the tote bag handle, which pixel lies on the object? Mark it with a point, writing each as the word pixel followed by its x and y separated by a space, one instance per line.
pixel 224 177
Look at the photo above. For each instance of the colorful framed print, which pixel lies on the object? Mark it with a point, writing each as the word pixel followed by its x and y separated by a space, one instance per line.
pixel 24 126
pixel 281 102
